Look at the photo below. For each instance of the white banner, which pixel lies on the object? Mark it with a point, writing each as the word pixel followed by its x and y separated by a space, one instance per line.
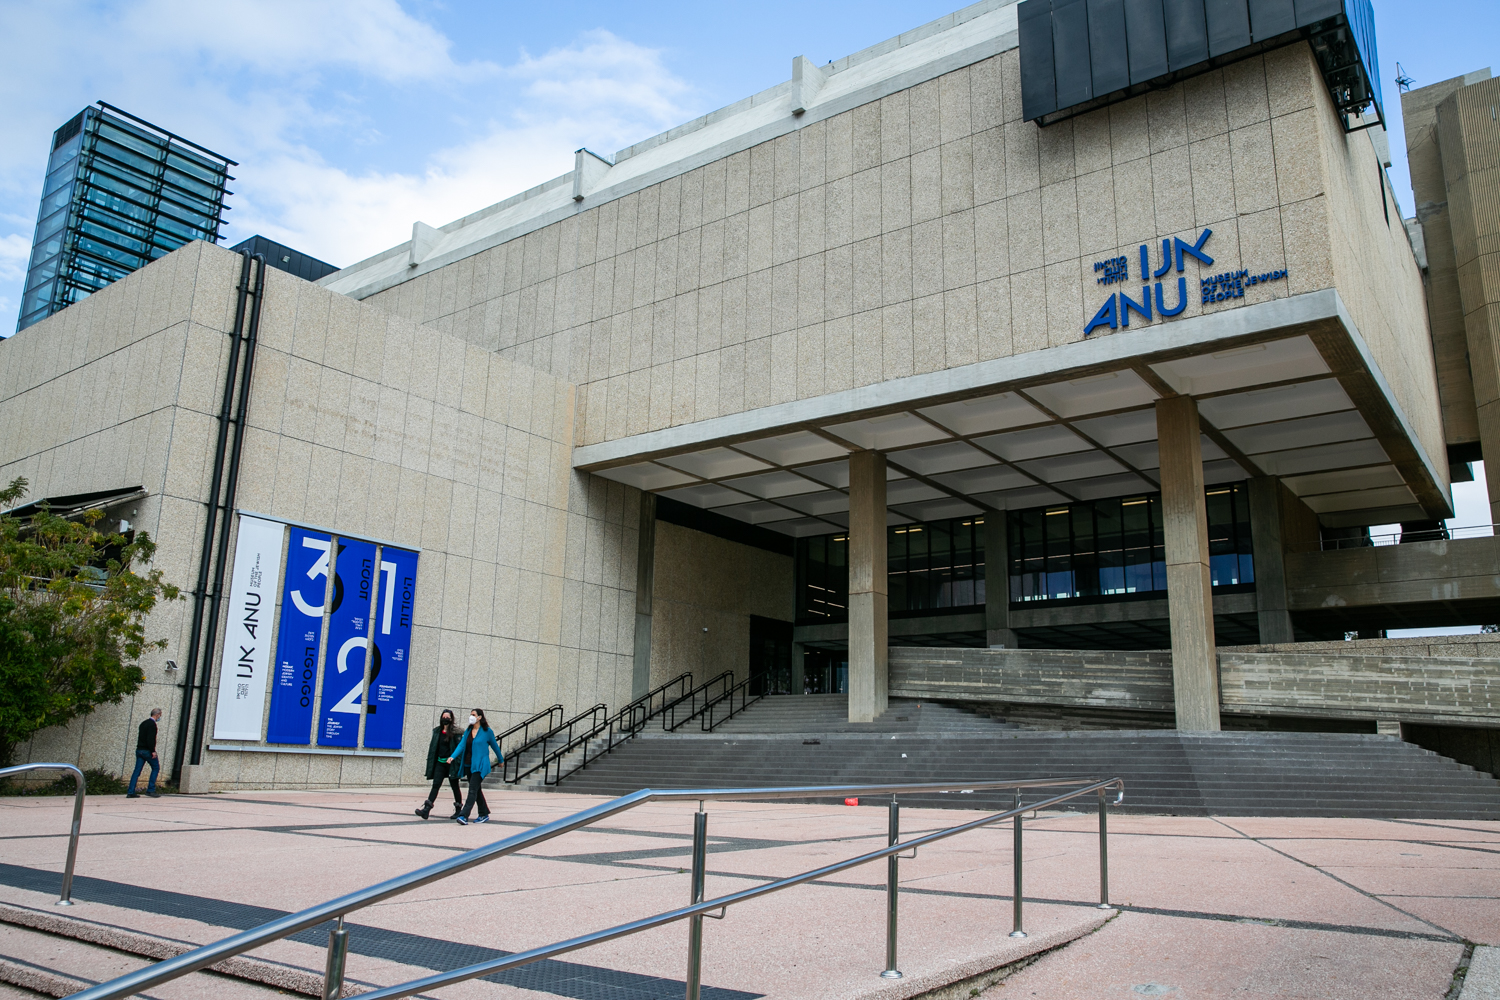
pixel 244 669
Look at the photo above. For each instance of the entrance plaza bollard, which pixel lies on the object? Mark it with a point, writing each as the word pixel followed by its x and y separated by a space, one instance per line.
pixel 66 898
pixel 695 922
pixel 1016 865
pixel 338 954
pixel 1103 851
pixel 892 866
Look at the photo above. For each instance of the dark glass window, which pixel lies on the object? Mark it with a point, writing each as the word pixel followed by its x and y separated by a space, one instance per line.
pixel 1112 548
pixel 932 568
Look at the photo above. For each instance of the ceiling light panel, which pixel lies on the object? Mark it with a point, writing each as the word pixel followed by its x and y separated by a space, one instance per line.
pixel 826 502
pixel 941 508
pixel 995 477
pixel 759 512
pixel 1240 367
pixel 1322 458
pixel 1346 425
pixel 987 413
pixel 707 495
pixel 1082 465
pixel 1106 487
pixel 947 457
pixel 893 430
pixel 1282 402
pixel 1120 428
pixel 1094 394
pixel 715 463
pixel 909 490
pixel 794 448
pixel 776 484
pixel 1390 496
pixel 1338 482
pixel 646 476
pixel 1039 442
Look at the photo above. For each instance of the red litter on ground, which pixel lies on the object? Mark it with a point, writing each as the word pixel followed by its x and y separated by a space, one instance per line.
pixel 851 802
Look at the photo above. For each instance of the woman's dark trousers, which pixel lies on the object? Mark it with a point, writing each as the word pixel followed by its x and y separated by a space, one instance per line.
pixel 441 774
pixel 476 795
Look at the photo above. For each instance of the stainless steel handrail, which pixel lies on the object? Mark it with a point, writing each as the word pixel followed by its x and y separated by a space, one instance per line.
pixel 78 787
pixel 701 908
pixel 338 909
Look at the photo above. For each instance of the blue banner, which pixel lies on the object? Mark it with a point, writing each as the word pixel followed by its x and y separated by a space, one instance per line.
pixel 392 650
pixel 294 680
pixel 348 636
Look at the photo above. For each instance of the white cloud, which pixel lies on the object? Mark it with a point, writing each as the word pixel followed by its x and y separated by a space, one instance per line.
pixel 602 92
pixel 14 251
pixel 305 96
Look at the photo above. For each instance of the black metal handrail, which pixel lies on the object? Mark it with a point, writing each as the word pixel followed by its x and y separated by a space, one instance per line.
pixel 741 693
pixel 336 909
pixel 524 728
pixel 615 730
pixel 695 701
pixel 545 744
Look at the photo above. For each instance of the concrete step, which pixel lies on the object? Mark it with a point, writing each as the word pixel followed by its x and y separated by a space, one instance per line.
pixel 1274 774
pixel 60 962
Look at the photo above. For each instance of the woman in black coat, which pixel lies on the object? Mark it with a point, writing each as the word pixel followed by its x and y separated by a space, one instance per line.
pixel 445 737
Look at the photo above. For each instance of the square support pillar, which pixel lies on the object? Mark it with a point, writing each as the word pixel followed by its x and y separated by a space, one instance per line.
pixel 1269 551
pixel 868 624
pixel 997 630
pixel 1195 671
pixel 645 583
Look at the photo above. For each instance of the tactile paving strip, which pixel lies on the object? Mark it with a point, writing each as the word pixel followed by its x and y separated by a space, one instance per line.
pixel 564 979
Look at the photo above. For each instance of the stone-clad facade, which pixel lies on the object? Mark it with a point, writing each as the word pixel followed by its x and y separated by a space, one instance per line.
pixel 869 299
pixel 359 422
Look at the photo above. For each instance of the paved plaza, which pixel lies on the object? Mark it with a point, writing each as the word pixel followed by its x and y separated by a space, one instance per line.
pixel 1206 907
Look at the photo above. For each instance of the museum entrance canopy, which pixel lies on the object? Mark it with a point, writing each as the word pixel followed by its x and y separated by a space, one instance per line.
pixel 1285 388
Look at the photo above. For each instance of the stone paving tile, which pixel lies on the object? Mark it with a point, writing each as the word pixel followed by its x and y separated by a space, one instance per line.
pixel 1269 906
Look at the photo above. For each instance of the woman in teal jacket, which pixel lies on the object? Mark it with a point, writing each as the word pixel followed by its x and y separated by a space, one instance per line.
pixel 473 757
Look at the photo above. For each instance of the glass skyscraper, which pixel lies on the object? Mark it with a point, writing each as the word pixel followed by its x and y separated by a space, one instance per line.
pixel 119 193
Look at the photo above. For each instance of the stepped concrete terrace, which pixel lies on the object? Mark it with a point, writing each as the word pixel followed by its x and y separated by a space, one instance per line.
pixel 804 740
pixel 1206 906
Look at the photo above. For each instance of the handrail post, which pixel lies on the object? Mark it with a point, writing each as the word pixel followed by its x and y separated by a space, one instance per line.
pixel 695 923
pixel 891 889
pixel 338 951
pixel 1103 850
pixel 67 884
pixel 1016 867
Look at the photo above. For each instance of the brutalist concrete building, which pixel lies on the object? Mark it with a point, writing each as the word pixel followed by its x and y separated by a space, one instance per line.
pixel 1054 358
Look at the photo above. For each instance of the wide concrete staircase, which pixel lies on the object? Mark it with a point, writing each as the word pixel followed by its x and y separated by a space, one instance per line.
pixel 829 713
pixel 806 741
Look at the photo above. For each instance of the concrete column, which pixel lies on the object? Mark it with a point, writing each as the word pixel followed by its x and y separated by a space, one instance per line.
pixel 997 628
pixel 799 675
pixel 1270 563
pixel 645 580
pixel 868 680
pixel 1195 673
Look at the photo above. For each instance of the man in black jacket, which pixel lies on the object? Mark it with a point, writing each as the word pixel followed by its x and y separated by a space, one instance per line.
pixel 145 753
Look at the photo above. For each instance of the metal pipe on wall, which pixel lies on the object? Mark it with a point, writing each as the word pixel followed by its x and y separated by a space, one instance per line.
pixel 210 521
pixel 252 334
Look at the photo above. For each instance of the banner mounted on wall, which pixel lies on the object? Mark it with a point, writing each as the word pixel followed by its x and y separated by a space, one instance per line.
pixel 348 638
pixel 392 650
pixel 244 667
pixel 302 609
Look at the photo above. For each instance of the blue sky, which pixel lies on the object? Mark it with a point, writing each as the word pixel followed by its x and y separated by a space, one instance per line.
pixel 352 118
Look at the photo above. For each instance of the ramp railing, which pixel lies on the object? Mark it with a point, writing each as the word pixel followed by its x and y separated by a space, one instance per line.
pixel 78 785
pixel 694 912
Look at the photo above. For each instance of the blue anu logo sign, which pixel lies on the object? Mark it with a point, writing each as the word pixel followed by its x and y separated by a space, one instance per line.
pixel 1116 310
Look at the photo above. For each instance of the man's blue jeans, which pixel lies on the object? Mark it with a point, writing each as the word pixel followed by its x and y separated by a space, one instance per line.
pixel 142 758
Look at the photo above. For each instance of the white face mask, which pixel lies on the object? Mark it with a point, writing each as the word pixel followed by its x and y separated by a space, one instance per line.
pixel 473 719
